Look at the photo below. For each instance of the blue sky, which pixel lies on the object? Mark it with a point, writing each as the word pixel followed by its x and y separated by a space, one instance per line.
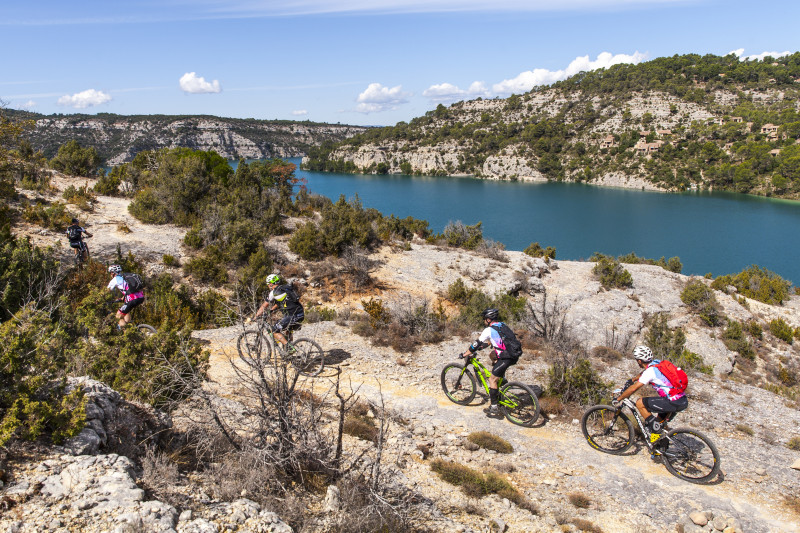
pixel 368 62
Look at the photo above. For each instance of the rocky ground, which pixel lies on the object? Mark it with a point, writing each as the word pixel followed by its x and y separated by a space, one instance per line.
pixel 79 487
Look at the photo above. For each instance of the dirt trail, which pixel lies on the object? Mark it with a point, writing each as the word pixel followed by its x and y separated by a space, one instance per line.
pixel 552 460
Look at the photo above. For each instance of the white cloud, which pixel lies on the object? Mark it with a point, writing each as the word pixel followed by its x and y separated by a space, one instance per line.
pixel 193 84
pixel 531 78
pixel 377 98
pixel 300 112
pixel 759 57
pixel 30 104
pixel 84 99
pixel 449 93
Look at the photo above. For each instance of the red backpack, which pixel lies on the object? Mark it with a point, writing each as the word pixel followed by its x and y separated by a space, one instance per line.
pixel 677 377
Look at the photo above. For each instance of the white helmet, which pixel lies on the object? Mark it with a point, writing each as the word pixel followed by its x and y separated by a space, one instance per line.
pixel 115 269
pixel 643 353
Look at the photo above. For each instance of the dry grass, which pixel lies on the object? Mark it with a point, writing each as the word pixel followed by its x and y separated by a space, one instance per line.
pixel 585 525
pixel 579 500
pixel 479 484
pixel 486 440
pixel 744 428
pixel 794 444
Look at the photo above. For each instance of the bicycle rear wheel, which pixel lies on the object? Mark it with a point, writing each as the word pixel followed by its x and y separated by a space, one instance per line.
pixel 254 348
pixel 607 429
pixel 458 383
pixel 689 455
pixel 307 357
pixel 519 404
pixel 146 329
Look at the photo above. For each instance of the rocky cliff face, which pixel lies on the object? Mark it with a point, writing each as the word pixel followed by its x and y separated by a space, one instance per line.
pixel 119 138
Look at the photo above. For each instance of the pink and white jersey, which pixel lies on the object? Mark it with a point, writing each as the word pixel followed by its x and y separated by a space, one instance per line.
pixel 491 336
pixel 118 282
pixel 652 376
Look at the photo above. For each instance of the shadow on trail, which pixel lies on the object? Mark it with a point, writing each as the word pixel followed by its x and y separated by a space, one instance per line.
pixel 336 356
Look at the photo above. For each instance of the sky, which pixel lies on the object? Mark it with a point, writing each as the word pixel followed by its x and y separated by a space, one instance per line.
pixel 362 62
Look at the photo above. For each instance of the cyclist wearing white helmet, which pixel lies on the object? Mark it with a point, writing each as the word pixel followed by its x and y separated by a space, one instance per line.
pixel 506 352
pixel 666 404
pixel 283 297
pixel 132 294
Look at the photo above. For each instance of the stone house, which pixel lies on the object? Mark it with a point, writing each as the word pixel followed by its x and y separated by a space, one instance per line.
pixel 607 142
pixel 769 128
pixel 664 132
pixel 737 119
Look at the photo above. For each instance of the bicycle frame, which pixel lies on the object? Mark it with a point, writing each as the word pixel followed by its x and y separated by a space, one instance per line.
pixel 483 374
pixel 627 402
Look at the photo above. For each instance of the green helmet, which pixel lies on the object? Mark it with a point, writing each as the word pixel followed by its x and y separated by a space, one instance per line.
pixel 273 278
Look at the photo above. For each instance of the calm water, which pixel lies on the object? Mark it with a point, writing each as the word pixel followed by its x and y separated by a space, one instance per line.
pixel 720 233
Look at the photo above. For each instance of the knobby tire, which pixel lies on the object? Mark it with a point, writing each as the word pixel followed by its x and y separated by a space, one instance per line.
pixel 689 455
pixel 146 329
pixel 254 348
pixel 519 404
pixel 458 383
pixel 608 430
pixel 307 357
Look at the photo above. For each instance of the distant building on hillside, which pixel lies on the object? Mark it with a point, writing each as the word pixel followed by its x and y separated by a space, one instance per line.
pixel 607 142
pixel 737 119
pixel 664 132
pixel 769 128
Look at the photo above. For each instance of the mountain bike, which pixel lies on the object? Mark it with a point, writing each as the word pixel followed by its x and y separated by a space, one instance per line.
pixel 686 453
pixel 145 329
pixel 517 401
pixel 255 347
pixel 81 254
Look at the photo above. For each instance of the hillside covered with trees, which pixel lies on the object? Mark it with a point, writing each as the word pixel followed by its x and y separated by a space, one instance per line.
pixel 118 138
pixel 689 121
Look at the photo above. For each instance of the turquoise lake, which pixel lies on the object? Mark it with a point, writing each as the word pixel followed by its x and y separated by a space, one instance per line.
pixel 721 233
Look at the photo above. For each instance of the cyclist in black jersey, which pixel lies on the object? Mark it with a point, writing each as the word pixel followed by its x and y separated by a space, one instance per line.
pixel 75 235
pixel 283 297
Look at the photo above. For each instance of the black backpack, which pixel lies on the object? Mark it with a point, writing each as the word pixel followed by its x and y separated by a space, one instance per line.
pixel 74 233
pixel 513 346
pixel 135 283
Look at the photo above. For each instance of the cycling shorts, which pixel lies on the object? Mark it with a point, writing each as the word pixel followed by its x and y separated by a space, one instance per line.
pixel 659 404
pixel 76 244
pixel 127 307
pixel 500 366
pixel 289 323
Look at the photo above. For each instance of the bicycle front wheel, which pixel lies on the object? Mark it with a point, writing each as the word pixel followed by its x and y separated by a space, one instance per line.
pixel 146 329
pixel 458 383
pixel 519 404
pixel 254 348
pixel 607 429
pixel 689 455
pixel 307 357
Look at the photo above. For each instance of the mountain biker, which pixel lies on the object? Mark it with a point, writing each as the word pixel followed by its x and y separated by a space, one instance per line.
pixel 283 297
pixel 500 356
pixel 75 235
pixel 664 405
pixel 131 299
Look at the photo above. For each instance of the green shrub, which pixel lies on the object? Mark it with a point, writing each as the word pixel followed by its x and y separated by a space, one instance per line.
pixel 744 428
pixel 487 440
pixel 169 260
pixel 209 267
pixel 471 302
pixel 80 196
pixel 193 238
pixel 54 216
pixel 147 208
pixel 108 184
pixel 703 302
pixel 319 313
pixel 735 340
pixel 673 264
pixel 306 241
pixel 670 344
pixel 754 329
pixel 33 399
pixel 573 380
pixel 76 161
pixel 794 444
pixel 459 235
pixel 536 250
pixel 780 329
pixel 611 274
pixel 378 314
pixel 757 283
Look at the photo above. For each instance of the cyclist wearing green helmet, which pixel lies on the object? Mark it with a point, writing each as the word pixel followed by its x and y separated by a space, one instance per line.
pixel 283 297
